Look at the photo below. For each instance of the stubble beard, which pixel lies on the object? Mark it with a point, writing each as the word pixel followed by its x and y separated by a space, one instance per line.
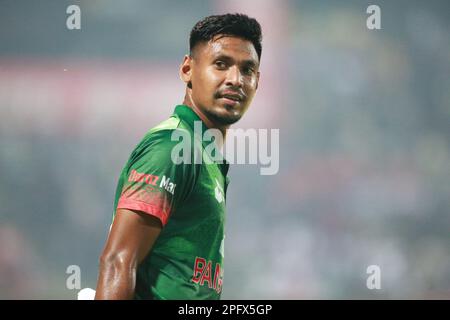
pixel 227 119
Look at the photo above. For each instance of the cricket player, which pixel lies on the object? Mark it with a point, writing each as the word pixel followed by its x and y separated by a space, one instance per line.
pixel 167 236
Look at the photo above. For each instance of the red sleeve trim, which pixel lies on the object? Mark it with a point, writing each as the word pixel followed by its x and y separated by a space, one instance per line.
pixel 126 203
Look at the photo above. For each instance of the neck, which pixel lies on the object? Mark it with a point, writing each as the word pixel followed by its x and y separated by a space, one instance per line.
pixel 209 123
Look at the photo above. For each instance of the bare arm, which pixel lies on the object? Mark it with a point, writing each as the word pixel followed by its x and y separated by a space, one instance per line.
pixel 132 236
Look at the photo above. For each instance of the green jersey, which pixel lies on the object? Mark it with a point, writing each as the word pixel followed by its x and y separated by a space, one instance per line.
pixel 186 261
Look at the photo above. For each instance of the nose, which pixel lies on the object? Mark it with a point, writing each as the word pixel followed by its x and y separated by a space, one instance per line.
pixel 234 77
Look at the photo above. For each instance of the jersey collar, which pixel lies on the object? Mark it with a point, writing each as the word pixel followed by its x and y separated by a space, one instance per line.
pixel 189 116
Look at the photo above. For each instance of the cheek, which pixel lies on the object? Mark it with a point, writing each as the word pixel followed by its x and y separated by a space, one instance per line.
pixel 206 83
pixel 216 78
pixel 211 78
pixel 251 87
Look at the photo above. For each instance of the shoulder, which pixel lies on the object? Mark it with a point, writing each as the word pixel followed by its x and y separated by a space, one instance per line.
pixel 166 131
pixel 160 140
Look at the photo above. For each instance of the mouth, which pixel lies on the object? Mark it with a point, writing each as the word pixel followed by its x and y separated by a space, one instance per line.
pixel 232 98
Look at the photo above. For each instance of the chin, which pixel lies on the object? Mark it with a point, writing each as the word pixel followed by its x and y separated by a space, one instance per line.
pixel 231 120
pixel 225 117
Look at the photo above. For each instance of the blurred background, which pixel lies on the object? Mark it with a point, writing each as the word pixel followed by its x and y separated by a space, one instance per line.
pixel 364 119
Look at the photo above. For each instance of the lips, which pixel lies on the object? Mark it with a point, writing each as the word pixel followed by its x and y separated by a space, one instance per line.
pixel 232 96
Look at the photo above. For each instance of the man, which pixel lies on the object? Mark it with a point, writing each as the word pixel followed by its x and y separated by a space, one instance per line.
pixel 166 239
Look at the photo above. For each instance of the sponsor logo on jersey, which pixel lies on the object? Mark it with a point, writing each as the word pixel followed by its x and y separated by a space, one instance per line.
pixel 142 177
pixel 203 274
pixel 218 191
pixel 166 184
pixel 151 179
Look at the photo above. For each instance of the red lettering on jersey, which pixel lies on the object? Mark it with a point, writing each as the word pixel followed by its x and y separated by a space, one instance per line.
pixel 206 276
pixel 142 177
pixel 218 279
pixel 199 266
pixel 131 176
pixel 153 179
pixel 202 274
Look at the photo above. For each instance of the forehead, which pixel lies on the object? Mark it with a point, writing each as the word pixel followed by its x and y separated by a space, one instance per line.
pixel 231 46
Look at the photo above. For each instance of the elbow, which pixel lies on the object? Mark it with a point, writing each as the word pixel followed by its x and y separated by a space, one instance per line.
pixel 120 260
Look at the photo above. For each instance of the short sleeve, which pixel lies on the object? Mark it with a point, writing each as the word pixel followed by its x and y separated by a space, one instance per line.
pixel 154 182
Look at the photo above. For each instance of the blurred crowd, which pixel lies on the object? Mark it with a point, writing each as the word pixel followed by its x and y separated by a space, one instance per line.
pixel 364 119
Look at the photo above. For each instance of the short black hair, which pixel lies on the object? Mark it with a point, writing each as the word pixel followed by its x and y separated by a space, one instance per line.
pixel 236 24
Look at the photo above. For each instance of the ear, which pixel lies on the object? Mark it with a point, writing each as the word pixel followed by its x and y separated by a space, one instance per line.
pixel 257 80
pixel 186 69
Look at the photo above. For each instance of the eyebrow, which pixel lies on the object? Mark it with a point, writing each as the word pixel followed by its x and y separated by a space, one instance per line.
pixel 248 63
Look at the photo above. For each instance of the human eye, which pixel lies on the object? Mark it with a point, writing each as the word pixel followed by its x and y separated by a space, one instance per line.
pixel 248 71
pixel 221 65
